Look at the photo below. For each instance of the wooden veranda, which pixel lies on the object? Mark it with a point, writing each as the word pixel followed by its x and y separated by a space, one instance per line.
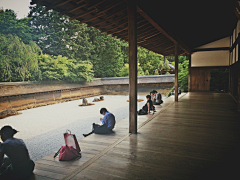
pixel 195 138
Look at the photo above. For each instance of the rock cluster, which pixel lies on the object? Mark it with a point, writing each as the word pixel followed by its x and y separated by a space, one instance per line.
pixel 7 112
pixel 101 98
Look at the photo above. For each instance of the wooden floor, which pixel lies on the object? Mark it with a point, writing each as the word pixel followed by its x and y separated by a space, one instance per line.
pixel 195 138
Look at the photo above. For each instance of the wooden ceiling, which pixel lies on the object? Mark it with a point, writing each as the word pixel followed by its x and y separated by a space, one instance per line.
pixel 111 16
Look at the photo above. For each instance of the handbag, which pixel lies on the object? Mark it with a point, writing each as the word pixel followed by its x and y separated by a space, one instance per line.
pixel 71 140
pixel 68 153
pixel 71 150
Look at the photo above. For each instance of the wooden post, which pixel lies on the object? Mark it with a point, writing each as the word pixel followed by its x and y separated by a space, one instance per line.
pixel 132 40
pixel 189 72
pixel 176 72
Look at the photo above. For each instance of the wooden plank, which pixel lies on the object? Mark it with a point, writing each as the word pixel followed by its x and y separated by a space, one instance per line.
pixel 48 174
pixel 38 177
pixel 117 167
pixel 54 169
pixel 132 33
pixel 90 174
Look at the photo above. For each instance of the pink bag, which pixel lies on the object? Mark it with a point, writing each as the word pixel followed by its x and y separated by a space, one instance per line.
pixel 68 153
pixel 71 140
pixel 71 150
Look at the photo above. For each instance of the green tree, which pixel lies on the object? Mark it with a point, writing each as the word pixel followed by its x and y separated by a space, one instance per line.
pixel 108 59
pixel 148 60
pixel 160 65
pixel 61 68
pixel 57 35
pixel 124 72
pixel 146 73
pixel 166 66
pixel 183 76
pixel 17 27
pixel 18 61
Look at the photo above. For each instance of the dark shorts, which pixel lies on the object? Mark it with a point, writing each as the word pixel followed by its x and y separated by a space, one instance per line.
pixel 155 103
pixel 101 129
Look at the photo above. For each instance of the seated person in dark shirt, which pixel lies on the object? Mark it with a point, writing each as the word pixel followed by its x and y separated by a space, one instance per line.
pixel 147 107
pixel 157 98
pixel 17 164
pixel 108 123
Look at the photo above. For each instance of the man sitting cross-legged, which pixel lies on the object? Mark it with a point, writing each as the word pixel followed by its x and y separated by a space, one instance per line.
pixel 108 123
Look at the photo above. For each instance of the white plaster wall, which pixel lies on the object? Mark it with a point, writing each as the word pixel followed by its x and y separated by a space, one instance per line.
pixel 225 42
pixel 210 58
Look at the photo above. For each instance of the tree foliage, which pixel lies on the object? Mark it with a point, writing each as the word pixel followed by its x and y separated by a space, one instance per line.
pixel 61 68
pixel 148 60
pixel 108 58
pixel 18 61
pixel 57 35
pixel 183 75
pixel 124 72
pixel 69 50
pixel 17 27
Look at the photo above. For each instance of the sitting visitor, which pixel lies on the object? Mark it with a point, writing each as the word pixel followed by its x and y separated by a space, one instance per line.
pixel 17 164
pixel 108 123
pixel 147 107
pixel 158 98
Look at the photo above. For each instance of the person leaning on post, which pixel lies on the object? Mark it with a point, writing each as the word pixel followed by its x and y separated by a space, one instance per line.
pixel 17 165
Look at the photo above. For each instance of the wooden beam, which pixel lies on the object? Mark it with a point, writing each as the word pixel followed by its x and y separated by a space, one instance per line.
pixel 114 21
pixel 126 33
pixel 143 25
pixel 144 31
pixel 100 11
pixel 97 15
pixel 154 47
pixel 119 30
pixel 95 5
pixel 57 4
pixel 176 71
pixel 122 35
pixel 109 16
pixel 69 10
pixel 110 30
pixel 148 37
pixel 78 2
pixel 161 30
pixel 118 26
pixel 169 47
pixel 132 33
pixel 189 72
